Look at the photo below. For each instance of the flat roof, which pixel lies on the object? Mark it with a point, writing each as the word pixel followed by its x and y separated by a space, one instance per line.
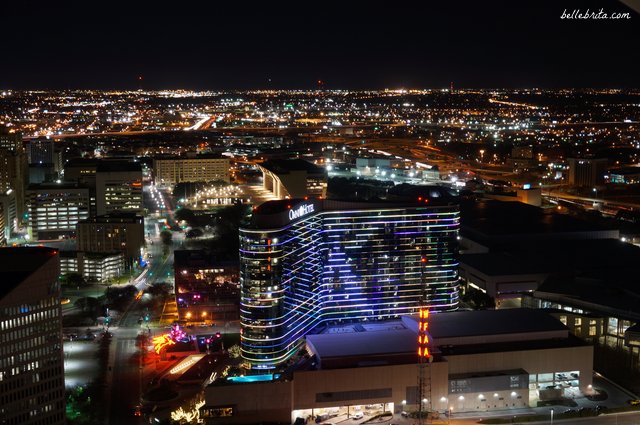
pixel 118 166
pixel 194 157
pixel 495 219
pixel 491 322
pixel 561 256
pixel 119 216
pixel 524 324
pixel 611 291
pixel 500 264
pixel 363 343
pixel 16 264
pixel 285 166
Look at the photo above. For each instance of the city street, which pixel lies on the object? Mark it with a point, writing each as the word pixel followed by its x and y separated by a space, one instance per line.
pixel 125 374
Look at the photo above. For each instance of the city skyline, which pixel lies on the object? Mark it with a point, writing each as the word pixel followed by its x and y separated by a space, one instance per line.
pixel 329 212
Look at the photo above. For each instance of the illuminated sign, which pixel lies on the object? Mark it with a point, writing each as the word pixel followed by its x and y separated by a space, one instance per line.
pixel 161 342
pixel 300 211
pixel 423 337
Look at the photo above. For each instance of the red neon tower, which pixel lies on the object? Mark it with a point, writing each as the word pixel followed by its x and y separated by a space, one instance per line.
pixel 424 357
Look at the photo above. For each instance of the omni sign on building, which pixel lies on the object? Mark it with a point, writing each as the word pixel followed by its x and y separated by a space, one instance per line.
pixel 300 211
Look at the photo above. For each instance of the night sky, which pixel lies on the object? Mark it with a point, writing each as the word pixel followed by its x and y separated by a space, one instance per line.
pixel 347 44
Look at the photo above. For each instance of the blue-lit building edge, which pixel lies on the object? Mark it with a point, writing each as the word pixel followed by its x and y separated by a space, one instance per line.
pixel 343 266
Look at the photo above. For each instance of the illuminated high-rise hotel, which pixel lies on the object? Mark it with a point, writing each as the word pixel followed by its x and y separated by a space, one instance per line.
pixel 307 263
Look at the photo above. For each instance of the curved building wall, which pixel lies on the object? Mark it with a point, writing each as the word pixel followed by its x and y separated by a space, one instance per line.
pixel 343 265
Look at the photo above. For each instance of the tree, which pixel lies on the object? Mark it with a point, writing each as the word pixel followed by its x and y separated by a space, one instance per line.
pixel 194 233
pixel 166 236
pixel 234 351
pixel 87 304
pixel 185 214
pixel 160 289
pixel 73 279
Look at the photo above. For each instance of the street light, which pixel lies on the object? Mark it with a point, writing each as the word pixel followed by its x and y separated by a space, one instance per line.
pixel 551 416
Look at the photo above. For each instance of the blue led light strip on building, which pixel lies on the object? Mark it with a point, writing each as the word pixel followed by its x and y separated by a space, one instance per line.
pixel 332 262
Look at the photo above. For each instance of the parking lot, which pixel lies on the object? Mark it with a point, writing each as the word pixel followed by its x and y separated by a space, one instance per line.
pixel 80 362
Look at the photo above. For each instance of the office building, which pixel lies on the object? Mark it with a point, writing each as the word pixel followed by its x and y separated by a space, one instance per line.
pixel 627 175
pixel 40 151
pixel 94 267
pixel 522 159
pixel 13 175
pixel 81 171
pixel 9 169
pixel 114 184
pixel 101 267
pixel 115 232
pixel 31 358
pixel 118 187
pixel 307 263
pixel 41 173
pixel 9 212
pixel 294 178
pixel 190 168
pixel 207 289
pixel 482 361
pixel 587 172
pixel 3 231
pixel 55 209
pixel 10 140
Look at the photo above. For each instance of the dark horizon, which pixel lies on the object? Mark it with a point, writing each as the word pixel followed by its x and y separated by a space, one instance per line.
pixel 497 45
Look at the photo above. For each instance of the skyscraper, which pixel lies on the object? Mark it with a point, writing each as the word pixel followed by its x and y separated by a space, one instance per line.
pixel 31 362
pixel 305 263
pixel 13 168
pixel 40 151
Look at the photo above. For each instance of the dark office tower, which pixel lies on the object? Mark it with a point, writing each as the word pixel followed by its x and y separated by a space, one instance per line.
pixel 31 361
pixel 13 169
pixel 587 172
pixel 3 235
pixel 308 263
pixel 40 152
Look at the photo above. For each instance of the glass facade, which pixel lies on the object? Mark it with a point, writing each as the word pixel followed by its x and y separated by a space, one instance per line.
pixel 333 265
